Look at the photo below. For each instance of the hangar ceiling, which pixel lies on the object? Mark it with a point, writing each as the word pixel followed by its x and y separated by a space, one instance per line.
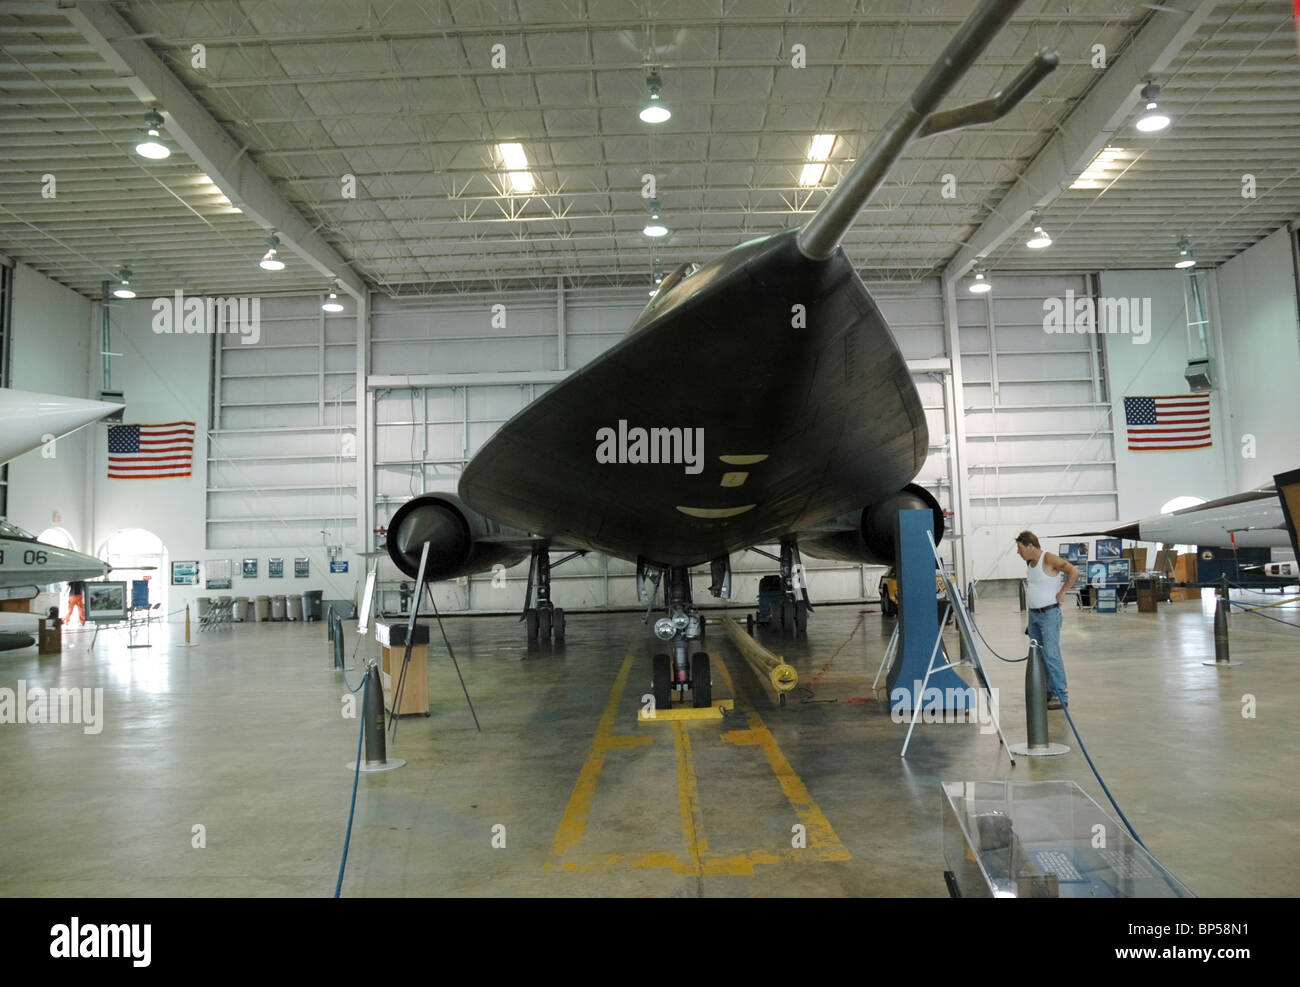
pixel 405 97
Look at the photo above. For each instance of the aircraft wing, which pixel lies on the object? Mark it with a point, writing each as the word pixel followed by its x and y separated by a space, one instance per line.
pixel 1253 519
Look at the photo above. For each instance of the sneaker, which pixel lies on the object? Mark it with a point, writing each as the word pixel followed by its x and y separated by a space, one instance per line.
pixel 1054 703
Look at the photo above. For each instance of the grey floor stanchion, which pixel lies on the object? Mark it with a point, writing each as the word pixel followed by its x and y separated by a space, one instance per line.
pixel 1038 741
pixel 970 597
pixel 1022 596
pixel 1221 655
pixel 376 755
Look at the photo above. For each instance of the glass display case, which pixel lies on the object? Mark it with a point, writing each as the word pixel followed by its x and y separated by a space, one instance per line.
pixel 1043 839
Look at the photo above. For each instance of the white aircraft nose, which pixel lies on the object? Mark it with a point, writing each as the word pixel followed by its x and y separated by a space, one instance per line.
pixel 26 418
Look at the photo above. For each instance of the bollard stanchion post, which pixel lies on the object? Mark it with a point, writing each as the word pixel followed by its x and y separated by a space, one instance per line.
pixel 187 643
pixel 372 709
pixel 329 624
pixel 1022 596
pixel 1222 658
pixel 970 597
pixel 340 659
pixel 1038 741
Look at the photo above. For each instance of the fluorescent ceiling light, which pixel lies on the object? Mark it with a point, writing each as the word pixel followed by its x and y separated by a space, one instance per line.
pixel 819 152
pixel 516 162
pixel 1098 171
pixel 812 174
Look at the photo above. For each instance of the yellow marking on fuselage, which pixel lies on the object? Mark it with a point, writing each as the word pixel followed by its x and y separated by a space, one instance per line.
pixel 734 479
pixel 711 513
pixel 743 460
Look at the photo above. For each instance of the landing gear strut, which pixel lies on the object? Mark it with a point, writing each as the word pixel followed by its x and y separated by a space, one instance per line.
pixel 545 621
pixel 790 612
pixel 683 625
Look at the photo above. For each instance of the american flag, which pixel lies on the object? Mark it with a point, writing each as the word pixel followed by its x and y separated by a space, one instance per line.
pixel 1168 422
pixel 145 452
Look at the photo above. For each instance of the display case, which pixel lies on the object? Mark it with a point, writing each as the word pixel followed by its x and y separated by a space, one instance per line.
pixel 1042 839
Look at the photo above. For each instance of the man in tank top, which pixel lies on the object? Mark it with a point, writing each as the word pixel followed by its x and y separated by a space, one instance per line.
pixel 1043 596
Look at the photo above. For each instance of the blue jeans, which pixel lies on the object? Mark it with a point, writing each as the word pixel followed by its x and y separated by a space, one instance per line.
pixel 1045 628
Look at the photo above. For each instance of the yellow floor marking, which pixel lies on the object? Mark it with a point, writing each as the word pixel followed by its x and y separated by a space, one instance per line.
pixel 821 836
pixel 822 843
pixel 688 800
pixel 714 712
pixel 573 826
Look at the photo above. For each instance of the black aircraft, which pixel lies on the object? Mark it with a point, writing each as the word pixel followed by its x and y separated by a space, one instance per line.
pixel 759 398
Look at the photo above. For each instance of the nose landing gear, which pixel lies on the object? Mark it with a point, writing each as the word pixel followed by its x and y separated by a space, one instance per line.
pixel 680 627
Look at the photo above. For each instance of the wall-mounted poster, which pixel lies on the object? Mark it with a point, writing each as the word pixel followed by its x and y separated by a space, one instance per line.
pixel 275 568
pixel 218 574
pixel 301 568
pixel 1108 548
pixel 337 566
pixel 1074 551
pixel 185 573
pixel 250 568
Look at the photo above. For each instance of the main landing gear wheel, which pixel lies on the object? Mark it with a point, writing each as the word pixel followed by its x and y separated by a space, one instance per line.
pixel 749 624
pixel 800 616
pixel 663 682
pixel 557 625
pixel 788 619
pixel 530 624
pixel 544 625
pixel 701 682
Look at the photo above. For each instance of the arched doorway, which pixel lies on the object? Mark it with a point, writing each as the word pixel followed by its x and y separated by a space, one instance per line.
pixel 1178 504
pixel 136 548
pixel 60 537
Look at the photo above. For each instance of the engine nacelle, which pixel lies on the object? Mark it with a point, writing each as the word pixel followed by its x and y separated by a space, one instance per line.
pixel 456 537
pixel 872 538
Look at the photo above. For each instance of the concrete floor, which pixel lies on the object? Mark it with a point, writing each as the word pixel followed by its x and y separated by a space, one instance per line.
pixel 244 736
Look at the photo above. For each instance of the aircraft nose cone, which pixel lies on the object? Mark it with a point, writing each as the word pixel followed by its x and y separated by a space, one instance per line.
pixel 421 522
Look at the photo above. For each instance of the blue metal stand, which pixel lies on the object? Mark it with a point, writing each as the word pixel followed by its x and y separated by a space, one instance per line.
pixel 918 623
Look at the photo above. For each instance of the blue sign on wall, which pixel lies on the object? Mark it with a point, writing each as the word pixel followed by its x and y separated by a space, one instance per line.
pixel 338 567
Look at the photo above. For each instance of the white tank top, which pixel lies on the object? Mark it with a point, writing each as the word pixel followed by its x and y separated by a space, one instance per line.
pixel 1042 588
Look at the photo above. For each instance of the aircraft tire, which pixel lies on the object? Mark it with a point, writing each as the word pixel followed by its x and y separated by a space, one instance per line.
pixel 663 682
pixel 701 681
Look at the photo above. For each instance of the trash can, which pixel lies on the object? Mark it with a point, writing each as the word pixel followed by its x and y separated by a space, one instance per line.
pixel 293 606
pixel 1146 595
pixel 311 604
pixel 263 608
pixel 277 607
pixel 239 612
